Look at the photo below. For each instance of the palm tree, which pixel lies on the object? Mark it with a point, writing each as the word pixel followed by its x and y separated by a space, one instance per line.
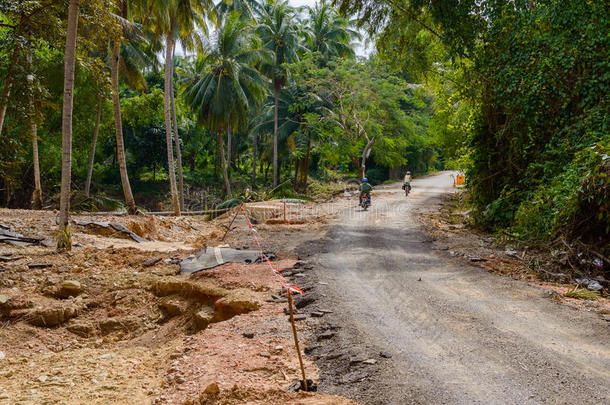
pixel 177 141
pixel 176 19
pixel 132 58
pixel 127 30
pixel 96 130
pixel 294 130
pixel 226 84
pixel 246 8
pixel 329 33
pixel 277 29
pixel 64 237
pixel 37 193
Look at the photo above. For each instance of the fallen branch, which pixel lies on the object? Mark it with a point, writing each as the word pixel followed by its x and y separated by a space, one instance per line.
pixel 559 276
pixel 208 212
pixel 512 235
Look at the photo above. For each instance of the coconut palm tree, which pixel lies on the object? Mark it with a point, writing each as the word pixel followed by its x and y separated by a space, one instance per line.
pixel 329 33
pixel 175 20
pixel 278 30
pixel 130 32
pixel 226 85
pixel 247 8
pixel 37 193
pixel 64 240
pixel 133 58
pixel 177 137
pixel 96 130
pixel 294 131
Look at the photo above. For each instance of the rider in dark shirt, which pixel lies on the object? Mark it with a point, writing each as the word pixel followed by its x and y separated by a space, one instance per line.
pixel 365 188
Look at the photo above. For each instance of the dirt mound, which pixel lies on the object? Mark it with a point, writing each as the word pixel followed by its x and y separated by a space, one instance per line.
pixel 146 228
pixel 113 322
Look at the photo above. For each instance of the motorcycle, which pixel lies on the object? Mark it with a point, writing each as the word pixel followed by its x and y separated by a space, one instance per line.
pixel 365 201
pixel 407 188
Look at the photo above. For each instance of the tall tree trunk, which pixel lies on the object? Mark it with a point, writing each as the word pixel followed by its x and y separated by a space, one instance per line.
pixel 118 126
pixel 8 84
pixel 177 144
pixel 295 183
pixel 276 89
pixel 303 171
pixel 96 131
pixel 254 151
pixel 168 120
pixel 365 154
pixel 37 193
pixel 223 162
pixel 306 164
pixel 261 166
pixel 64 237
pixel 357 165
pixel 229 138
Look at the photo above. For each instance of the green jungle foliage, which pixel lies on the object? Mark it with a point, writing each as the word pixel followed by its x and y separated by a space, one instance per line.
pixel 522 103
pixel 329 103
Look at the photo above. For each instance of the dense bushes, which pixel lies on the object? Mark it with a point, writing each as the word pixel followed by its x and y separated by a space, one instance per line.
pixel 576 202
pixel 542 128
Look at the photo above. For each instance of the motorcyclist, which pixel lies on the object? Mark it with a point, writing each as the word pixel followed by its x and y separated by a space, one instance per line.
pixel 407 180
pixel 365 188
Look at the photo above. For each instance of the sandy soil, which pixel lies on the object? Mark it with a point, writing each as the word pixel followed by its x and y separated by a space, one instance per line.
pixel 97 325
pixel 395 311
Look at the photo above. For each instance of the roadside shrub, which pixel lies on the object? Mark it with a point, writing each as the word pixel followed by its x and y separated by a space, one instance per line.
pixel 377 175
pixel 576 202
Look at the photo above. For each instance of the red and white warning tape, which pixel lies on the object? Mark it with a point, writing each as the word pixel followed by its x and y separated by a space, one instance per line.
pixel 281 279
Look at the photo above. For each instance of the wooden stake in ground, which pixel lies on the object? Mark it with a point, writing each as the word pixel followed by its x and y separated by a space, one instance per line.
pixel 296 339
pixel 231 224
pixel 284 210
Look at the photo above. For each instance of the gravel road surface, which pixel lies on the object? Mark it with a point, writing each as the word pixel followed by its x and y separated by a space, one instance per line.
pixel 450 333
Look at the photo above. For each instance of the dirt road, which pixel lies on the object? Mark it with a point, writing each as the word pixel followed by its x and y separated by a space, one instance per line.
pixel 450 332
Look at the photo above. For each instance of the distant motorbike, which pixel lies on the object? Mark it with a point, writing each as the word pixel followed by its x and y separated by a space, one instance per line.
pixel 365 201
pixel 407 188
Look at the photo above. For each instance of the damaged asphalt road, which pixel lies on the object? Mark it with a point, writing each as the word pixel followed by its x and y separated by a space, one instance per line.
pixel 409 324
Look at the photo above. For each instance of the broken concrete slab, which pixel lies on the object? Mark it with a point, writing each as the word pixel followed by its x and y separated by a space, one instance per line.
pixel 353 377
pixel 316 314
pixel 326 336
pixel 17 239
pixel 303 300
pixel 214 256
